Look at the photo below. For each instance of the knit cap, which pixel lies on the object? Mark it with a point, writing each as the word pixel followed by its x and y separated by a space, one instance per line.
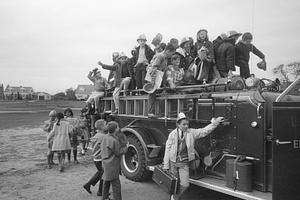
pixel 112 126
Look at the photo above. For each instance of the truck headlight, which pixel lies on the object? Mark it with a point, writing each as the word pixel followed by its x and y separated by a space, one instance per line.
pixel 254 124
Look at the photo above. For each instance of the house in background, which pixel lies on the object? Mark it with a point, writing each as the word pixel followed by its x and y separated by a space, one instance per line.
pixel 1 92
pixel 18 93
pixel 82 92
pixel 41 96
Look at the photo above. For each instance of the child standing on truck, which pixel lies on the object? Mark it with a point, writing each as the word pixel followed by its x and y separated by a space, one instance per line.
pixel 180 150
pixel 48 128
pixel 143 58
pixel 122 78
pixel 61 141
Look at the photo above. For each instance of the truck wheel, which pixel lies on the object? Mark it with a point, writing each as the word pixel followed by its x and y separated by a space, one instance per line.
pixel 133 163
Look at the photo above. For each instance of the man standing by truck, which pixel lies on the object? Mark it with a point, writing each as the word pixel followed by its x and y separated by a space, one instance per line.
pixel 180 150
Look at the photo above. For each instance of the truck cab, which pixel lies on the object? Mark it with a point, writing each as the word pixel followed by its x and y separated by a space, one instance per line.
pixel 261 125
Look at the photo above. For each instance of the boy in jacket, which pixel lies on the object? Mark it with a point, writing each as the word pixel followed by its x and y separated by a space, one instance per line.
pixel 144 55
pixel 96 151
pixel 242 54
pixel 180 149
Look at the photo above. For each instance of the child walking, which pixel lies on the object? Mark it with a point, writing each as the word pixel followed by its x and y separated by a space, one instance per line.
pixel 96 151
pixel 48 128
pixel 111 152
pixel 84 131
pixel 61 141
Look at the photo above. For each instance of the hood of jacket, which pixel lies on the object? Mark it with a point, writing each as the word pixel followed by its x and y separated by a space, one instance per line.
pixel 198 37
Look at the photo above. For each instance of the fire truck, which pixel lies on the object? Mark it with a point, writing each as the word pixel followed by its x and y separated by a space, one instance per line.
pixel 261 125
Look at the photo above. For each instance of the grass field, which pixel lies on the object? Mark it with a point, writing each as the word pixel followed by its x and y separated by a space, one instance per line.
pixel 32 113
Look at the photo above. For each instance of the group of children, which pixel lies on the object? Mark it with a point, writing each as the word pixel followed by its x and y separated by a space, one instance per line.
pixel 64 134
pixel 174 64
pixel 108 145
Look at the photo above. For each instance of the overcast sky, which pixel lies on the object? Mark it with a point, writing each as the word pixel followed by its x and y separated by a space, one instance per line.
pixel 52 44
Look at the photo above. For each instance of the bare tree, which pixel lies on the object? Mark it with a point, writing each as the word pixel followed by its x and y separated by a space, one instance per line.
pixel 287 73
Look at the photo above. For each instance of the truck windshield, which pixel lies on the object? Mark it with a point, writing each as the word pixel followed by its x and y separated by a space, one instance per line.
pixel 291 93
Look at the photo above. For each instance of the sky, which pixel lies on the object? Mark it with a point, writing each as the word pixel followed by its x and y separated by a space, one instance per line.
pixel 51 45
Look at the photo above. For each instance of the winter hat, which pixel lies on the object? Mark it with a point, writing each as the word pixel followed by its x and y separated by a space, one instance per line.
pixel 115 54
pixel 52 113
pixel 100 124
pixel 203 30
pixel 233 33
pixel 122 54
pixel 184 40
pixel 223 36
pixel 180 117
pixel 142 37
pixel 247 36
pixel 157 39
pixel 112 126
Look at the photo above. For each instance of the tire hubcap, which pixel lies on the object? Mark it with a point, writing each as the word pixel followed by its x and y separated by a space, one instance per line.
pixel 131 159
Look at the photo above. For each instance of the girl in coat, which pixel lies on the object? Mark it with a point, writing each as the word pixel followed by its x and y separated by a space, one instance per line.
pixel 73 136
pixel 48 128
pixel 210 71
pixel 61 141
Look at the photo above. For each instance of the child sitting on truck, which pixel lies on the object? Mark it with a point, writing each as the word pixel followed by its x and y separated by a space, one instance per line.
pixel 100 84
pixel 174 74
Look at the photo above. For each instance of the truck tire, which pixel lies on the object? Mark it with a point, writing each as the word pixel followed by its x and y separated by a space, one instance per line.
pixel 133 163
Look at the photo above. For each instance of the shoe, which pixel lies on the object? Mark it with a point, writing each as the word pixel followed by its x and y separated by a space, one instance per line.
pixel 61 168
pixel 99 194
pixel 49 166
pixel 76 162
pixel 172 197
pixel 53 163
pixel 87 188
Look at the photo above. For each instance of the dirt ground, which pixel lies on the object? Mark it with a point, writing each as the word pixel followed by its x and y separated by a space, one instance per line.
pixel 24 173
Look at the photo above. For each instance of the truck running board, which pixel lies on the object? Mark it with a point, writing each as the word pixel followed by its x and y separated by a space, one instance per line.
pixel 219 186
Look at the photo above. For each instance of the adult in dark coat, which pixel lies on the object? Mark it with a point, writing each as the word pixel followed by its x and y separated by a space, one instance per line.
pixel 225 55
pixel 111 152
pixel 242 54
pixel 144 54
